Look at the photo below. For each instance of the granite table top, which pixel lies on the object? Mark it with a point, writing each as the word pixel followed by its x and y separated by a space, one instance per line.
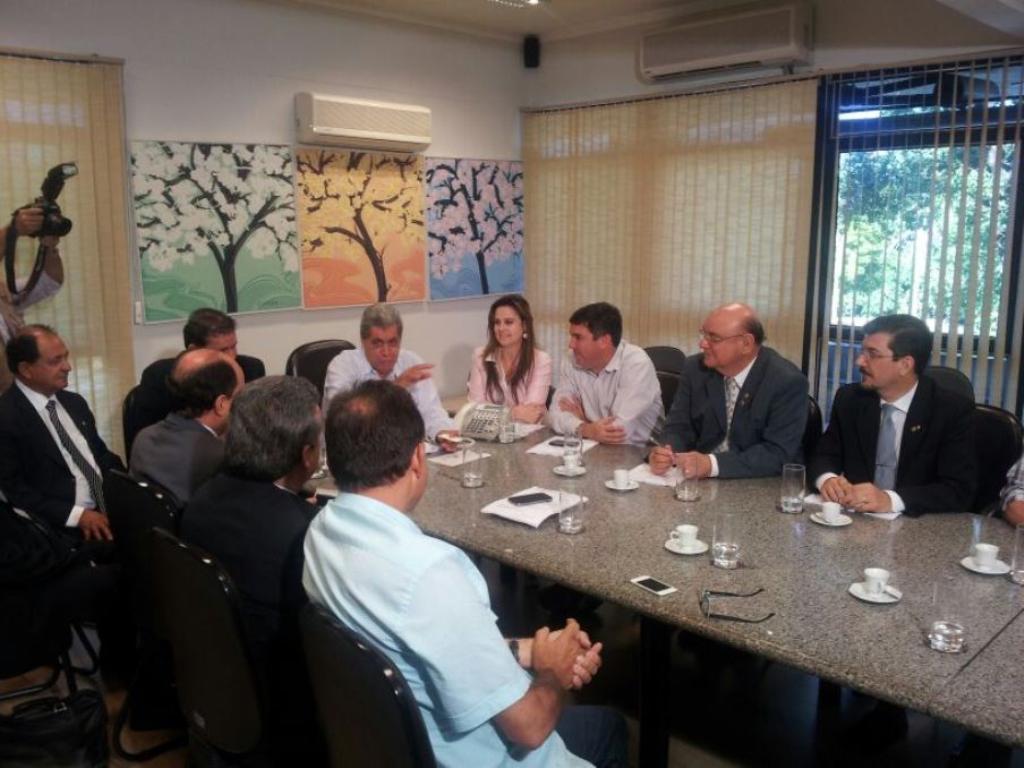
pixel 803 568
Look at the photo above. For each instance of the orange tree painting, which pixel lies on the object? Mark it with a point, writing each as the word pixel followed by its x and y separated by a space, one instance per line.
pixel 361 227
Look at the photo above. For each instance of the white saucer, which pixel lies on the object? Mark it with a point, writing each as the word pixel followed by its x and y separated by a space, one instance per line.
pixel 999 568
pixel 563 472
pixel 611 486
pixel 697 548
pixel 890 595
pixel 844 520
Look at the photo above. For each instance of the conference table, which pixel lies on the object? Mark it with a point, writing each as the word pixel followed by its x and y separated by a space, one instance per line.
pixel 804 570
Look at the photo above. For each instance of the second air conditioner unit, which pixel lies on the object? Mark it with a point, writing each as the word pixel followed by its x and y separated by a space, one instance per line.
pixel 749 36
pixel 361 124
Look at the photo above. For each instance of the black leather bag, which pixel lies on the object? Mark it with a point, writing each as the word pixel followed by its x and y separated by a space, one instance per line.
pixel 56 732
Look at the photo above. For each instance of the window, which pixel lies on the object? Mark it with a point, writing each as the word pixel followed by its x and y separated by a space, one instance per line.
pixel 921 216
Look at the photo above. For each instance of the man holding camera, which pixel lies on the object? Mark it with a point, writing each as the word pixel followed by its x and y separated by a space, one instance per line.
pixel 26 222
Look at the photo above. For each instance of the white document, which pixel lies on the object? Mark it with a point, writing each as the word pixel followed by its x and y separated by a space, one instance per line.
pixel 524 430
pixel 546 449
pixel 455 459
pixel 532 514
pixel 641 473
pixel 815 498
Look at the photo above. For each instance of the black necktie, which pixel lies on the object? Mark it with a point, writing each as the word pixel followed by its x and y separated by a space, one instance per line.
pixel 91 477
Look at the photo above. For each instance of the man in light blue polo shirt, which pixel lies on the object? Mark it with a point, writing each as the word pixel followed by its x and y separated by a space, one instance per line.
pixel 485 701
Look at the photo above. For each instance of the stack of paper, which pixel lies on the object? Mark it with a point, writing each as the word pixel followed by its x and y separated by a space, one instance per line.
pixel 547 449
pixel 455 459
pixel 641 473
pixel 814 498
pixel 532 514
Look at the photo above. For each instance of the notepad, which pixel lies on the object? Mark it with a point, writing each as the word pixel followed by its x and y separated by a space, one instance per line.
pixel 532 514
pixel 546 449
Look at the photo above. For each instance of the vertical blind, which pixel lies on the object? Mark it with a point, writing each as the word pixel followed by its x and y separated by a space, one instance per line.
pixel 670 207
pixel 54 112
pixel 925 163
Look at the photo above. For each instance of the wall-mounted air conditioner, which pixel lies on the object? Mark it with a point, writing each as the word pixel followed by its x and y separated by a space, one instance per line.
pixel 361 124
pixel 747 36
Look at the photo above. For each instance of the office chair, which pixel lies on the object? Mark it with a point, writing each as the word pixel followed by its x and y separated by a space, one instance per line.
pixel 668 359
pixel 367 711
pixel 131 421
pixel 669 383
pixel 198 610
pixel 310 360
pixel 951 379
pixel 813 430
pixel 997 445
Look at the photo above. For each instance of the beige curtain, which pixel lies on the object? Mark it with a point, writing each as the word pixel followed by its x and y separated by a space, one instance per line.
pixel 59 111
pixel 670 207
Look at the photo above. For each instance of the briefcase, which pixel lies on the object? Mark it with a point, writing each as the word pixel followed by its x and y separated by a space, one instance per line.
pixel 56 732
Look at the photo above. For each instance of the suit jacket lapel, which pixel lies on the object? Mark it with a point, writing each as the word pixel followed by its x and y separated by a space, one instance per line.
pixel 37 429
pixel 914 425
pixel 750 386
pixel 716 397
pixel 867 429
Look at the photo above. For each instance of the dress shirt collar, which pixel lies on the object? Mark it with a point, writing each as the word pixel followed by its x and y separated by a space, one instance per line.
pixel 356 503
pixel 741 377
pixel 902 403
pixel 37 400
pixel 616 362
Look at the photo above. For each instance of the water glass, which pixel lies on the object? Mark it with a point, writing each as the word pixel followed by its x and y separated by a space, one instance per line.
pixel 1017 565
pixel 322 470
pixel 792 492
pixel 571 511
pixel 507 431
pixel 946 633
pixel 572 452
pixel 473 465
pixel 725 549
pixel 687 488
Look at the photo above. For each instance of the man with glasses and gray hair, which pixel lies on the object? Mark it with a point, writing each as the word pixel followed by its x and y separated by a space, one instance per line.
pixel 897 442
pixel 740 409
pixel 380 356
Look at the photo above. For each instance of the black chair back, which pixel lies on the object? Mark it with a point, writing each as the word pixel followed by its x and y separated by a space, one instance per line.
pixel 668 359
pixel 812 432
pixel 199 612
pixel 669 384
pixel 997 436
pixel 367 711
pixel 310 360
pixel 131 421
pixel 951 379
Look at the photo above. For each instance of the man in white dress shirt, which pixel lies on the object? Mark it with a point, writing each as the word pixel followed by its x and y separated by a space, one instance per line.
pixel 380 356
pixel 609 390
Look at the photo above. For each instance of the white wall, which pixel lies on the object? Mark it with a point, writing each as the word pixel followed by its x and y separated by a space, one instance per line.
pixel 848 33
pixel 197 70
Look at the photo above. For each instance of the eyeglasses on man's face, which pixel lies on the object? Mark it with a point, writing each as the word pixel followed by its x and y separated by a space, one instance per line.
pixel 714 338
pixel 873 354
pixel 707 595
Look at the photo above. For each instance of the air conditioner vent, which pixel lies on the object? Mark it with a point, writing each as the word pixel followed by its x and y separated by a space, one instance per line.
pixel 361 124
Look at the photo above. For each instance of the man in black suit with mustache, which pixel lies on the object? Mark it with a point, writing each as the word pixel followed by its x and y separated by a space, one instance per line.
pixel 896 441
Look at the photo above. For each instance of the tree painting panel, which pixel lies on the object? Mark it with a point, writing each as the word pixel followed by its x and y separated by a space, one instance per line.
pixel 215 227
pixel 361 227
pixel 474 227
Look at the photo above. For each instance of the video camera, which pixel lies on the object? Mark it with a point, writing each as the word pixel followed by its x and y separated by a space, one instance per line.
pixel 54 224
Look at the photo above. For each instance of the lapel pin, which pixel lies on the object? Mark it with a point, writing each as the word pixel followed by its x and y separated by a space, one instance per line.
pixel 915 428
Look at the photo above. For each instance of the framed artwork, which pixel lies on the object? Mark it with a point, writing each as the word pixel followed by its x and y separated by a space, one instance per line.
pixel 474 227
pixel 215 227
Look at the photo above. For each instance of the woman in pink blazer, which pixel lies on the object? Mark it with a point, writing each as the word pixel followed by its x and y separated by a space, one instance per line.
pixel 510 370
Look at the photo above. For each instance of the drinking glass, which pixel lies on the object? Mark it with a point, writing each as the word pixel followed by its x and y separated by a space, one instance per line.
pixel 1017 565
pixel 323 470
pixel 792 492
pixel 472 464
pixel 687 488
pixel 725 549
pixel 946 633
pixel 507 431
pixel 571 510
pixel 572 453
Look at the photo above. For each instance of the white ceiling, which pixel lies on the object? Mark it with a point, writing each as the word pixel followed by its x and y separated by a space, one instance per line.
pixel 551 20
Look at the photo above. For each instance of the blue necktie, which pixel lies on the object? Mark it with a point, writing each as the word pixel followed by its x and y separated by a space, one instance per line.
pixel 885 455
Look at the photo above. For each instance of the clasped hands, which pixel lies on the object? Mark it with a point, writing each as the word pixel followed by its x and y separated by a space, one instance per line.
pixel 692 464
pixel 862 497
pixel 566 653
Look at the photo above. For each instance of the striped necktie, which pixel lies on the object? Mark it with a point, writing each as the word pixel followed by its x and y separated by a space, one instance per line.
pixel 91 476
pixel 732 392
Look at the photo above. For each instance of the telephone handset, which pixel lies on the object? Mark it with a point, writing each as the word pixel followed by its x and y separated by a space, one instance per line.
pixel 481 421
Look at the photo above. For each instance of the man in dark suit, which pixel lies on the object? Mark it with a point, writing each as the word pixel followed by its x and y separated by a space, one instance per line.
pixel 52 460
pixel 205 329
pixel 252 518
pixel 896 442
pixel 740 409
pixel 185 450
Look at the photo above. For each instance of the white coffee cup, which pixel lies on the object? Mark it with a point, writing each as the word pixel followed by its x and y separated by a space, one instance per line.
pixel 571 461
pixel 875 580
pixel 686 535
pixel 985 555
pixel 620 478
pixel 831 512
